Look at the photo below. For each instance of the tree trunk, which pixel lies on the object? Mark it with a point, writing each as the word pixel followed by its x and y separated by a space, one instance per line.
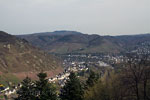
pixel 145 85
pixel 137 91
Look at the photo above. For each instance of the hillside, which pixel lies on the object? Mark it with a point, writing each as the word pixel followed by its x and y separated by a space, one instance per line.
pixel 76 42
pixel 21 59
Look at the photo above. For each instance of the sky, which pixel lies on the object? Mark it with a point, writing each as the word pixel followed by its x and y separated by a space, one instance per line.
pixel 103 17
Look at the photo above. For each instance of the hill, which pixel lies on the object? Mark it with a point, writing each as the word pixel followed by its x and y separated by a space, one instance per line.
pixel 76 42
pixel 20 59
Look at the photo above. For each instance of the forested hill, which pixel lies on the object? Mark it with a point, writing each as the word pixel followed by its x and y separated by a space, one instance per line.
pixel 76 42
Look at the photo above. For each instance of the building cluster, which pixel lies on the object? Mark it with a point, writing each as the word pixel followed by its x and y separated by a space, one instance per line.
pixel 142 48
pixel 73 67
pixel 9 91
pixel 102 59
pixel 81 62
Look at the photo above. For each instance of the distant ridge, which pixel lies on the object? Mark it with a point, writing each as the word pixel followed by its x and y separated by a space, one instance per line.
pixel 61 32
pixel 76 42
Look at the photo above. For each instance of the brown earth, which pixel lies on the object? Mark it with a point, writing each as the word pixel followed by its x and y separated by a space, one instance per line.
pixel 19 59
pixel 33 75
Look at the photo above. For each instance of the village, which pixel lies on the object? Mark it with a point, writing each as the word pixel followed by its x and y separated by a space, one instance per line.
pixel 69 66
pixel 80 62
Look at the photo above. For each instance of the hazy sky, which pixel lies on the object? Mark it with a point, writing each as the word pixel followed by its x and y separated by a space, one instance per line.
pixel 113 17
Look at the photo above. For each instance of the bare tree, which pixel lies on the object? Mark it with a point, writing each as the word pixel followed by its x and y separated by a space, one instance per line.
pixel 136 75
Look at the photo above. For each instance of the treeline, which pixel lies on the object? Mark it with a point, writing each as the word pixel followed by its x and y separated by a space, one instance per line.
pixel 43 90
pixel 130 81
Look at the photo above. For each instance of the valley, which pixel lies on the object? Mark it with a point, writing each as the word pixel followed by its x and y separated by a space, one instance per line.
pixel 61 52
